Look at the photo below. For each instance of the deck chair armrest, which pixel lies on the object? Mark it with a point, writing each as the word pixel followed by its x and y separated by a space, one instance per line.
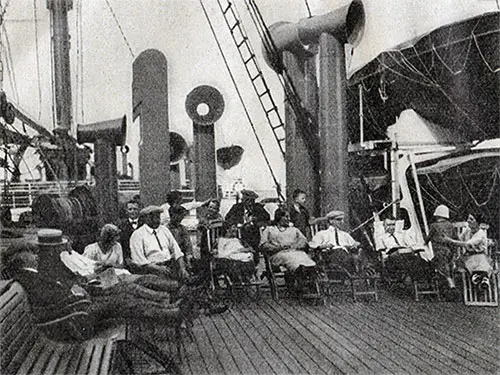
pixel 63 319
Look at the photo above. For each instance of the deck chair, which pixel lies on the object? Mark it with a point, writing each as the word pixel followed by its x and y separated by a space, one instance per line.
pixel 424 280
pixel 336 279
pixel 472 294
pixel 280 280
pixel 219 280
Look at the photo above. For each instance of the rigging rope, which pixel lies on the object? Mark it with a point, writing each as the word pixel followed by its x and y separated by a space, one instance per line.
pixel 121 30
pixel 308 8
pixel 10 64
pixel 490 194
pixel 80 50
pixel 52 72
pixel 278 189
pixel 35 16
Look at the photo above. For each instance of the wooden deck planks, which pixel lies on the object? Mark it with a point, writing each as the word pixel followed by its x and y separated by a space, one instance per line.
pixel 339 353
pixel 362 336
pixel 401 337
pixel 382 341
pixel 291 334
pixel 270 356
pixel 437 355
pixel 209 354
pixel 463 348
pixel 275 340
pixel 259 362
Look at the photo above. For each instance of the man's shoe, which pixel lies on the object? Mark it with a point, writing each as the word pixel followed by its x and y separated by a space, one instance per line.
pixel 217 308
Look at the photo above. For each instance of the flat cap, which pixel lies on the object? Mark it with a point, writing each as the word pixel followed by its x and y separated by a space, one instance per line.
pixel 150 209
pixel 335 215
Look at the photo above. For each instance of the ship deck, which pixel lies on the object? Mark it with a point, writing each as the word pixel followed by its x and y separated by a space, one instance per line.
pixel 393 336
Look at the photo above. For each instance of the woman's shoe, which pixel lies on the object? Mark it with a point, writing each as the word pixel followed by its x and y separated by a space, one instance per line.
pixel 485 284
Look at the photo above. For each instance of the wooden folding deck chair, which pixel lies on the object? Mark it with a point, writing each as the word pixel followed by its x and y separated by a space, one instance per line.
pixel 337 280
pixel 221 281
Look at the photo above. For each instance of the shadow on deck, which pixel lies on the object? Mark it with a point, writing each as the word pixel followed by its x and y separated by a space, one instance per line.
pixel 393 336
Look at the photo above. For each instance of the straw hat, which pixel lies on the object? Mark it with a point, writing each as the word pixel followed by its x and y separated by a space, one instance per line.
pixel 50 237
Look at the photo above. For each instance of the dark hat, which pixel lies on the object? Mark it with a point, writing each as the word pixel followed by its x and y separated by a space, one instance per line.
pixel 50 237
pixel 249 194
pixel 150 209
pixel 335 215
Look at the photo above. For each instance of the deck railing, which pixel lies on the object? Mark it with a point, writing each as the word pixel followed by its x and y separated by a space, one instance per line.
pixel 22 194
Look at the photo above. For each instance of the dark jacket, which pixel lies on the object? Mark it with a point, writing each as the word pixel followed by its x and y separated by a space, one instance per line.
pixel 49 299
pixel 300 219
pixel 126 231
pixel 250 233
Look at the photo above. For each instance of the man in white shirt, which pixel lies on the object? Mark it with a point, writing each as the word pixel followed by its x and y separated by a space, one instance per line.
pixel 153 247
pixel 392 240
pixel 338 247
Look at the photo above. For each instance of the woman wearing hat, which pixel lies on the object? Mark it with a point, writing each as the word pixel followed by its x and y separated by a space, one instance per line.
pixel 442 234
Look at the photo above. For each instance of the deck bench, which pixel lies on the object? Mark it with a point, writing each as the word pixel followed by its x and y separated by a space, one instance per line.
pixel 25 349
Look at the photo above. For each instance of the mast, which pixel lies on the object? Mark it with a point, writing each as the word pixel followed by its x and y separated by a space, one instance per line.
pixel 62 74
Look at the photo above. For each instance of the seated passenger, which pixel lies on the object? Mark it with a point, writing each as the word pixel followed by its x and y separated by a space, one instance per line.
pixel 339 247
pixel 234 259
pixel 180 233
pixel 154 250
pixel 399 254
pixel 285 243
pixel 102 265
pixel 212 213
pixel 475 260
pixel 51 300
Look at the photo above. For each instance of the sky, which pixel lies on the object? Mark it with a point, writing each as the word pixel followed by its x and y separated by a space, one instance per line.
pixel 101 63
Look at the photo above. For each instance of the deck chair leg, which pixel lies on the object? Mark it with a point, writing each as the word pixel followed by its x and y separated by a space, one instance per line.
pixel 353 290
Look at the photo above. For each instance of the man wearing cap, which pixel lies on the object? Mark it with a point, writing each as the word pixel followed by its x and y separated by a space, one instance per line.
pixel 339 247
pixel 153 248
pixel 251 216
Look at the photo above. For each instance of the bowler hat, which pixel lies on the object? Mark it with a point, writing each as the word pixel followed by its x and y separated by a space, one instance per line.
pixel 50 237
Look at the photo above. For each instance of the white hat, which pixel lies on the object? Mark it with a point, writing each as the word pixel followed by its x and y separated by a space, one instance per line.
pixel 442 211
